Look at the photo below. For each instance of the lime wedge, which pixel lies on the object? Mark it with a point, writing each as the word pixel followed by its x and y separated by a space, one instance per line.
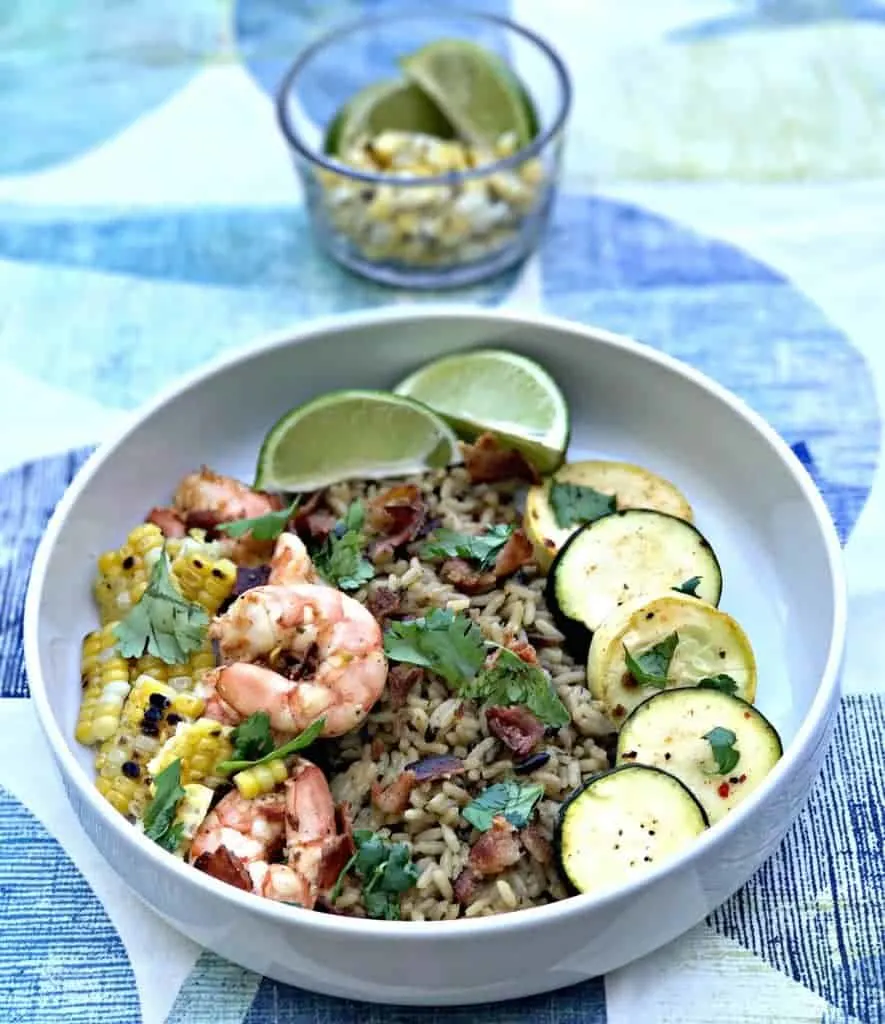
pixel 475 90
pixel 495 391
pixel 353 435
pixel 385 106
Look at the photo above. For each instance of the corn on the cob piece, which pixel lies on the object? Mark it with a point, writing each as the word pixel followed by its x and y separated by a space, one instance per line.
pixel 150 713
pixel 105 676
pixel 261 778
pixel 189 814
pixel 183 677
pixel 204 579
pixel 200 746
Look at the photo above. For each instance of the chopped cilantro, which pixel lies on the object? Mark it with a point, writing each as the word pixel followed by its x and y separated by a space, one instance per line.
pixel 160 813
pixel 386 871
pixel 482 549
pixel 721 682
pixel 722 742
pixel 650 668
pixel 575 503
pixel 162 622
pixel 266 527
pixel 508 799
pixel 448 643
pixel 299 742
pixel 510 680
pixel 252 739
pixel 689 586
pixel 340 560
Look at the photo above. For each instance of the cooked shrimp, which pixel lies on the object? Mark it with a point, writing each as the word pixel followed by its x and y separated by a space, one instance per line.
pixel 296 652
pixel 291 562
pixel 239 840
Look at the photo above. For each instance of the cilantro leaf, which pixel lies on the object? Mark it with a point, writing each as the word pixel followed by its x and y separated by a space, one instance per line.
pixel 509 799
pixel 721 682
pixel 575 503
pixel 386 871
pixel 160 813
pixel 482 549
pixel 722 742
pixel 162 622
pixel 510 680
pixel 299 742
pixel 251 738
pixel 689 586
pixel 650 668
pixel 448 643
pixel 266 527
pixel 340 560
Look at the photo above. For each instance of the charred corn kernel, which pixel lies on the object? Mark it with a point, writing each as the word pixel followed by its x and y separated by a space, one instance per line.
pixel 200 746
pixel 105 676
pixel 261 778
pixel 205 580
pixel 150 714
pixel 191 810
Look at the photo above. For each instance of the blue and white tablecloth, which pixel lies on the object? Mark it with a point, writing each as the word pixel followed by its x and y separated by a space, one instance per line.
pixel 724 200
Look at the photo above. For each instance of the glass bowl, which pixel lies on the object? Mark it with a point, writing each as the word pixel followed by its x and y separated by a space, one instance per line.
pixel 419 212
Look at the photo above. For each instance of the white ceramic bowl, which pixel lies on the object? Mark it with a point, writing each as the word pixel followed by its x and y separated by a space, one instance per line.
pixel 783 581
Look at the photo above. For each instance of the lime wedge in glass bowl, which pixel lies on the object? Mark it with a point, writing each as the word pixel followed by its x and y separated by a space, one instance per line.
pixel 499 392
pixel 348 435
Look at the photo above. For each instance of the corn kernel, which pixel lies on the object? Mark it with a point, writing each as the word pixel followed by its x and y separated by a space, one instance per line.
pixel 261 778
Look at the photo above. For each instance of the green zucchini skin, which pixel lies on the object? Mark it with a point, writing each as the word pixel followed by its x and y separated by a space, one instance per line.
pixel 646 552
pixel 668 729
pixel 685 819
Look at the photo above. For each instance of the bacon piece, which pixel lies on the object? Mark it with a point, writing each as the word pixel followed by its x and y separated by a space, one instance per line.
pixel 400 680
pixel 394 799
pixel 516 553
pixel 487 462
pixel 495 850
pixel 169 521
pixel 336 850
pixel 398 515
pixel 516 727
pixel 227 867
pixel 465 884
pixel 203 519
pixel 537 844
pixel 442 766
pixel 468 580
pixel 524 651
pixel 383 603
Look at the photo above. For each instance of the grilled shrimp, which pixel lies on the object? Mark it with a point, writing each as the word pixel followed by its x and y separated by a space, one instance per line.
pixel 296 652
pixel 291 562
pixel 239 840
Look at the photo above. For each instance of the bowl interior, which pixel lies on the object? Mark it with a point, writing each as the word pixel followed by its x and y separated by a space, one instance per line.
pixel 749 496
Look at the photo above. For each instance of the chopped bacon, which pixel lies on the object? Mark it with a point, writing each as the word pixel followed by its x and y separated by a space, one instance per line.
pixel 383 603
pixel 318 525
pixel 398 515
pixel 495 850
pixel 441 766
pixel 169 521
pixel 468 580
pixel 516 727
pixel 516 553
pixel 377 747
pixel 487 462
pixel 203 519
pixel 400 680
pixel 395 798
pixel 336 852
pixel 465 884
pixel 227 867
pixel 537 844
pixel 524 651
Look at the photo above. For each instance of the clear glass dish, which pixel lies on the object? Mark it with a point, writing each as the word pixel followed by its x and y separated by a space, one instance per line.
pixel 424 230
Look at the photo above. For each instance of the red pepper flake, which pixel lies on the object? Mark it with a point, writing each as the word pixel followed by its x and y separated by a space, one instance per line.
pixel 723 790
pixel 746 714
pixel 742 778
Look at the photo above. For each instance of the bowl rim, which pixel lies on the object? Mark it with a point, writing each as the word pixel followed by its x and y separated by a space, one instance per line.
pixel 357 928
pixel 450 178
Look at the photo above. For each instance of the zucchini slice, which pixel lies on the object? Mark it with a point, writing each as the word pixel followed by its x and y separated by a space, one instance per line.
pixel 623 822
pixel 695 733
pixel 624 555
pixel 694 641
pixel 631 487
